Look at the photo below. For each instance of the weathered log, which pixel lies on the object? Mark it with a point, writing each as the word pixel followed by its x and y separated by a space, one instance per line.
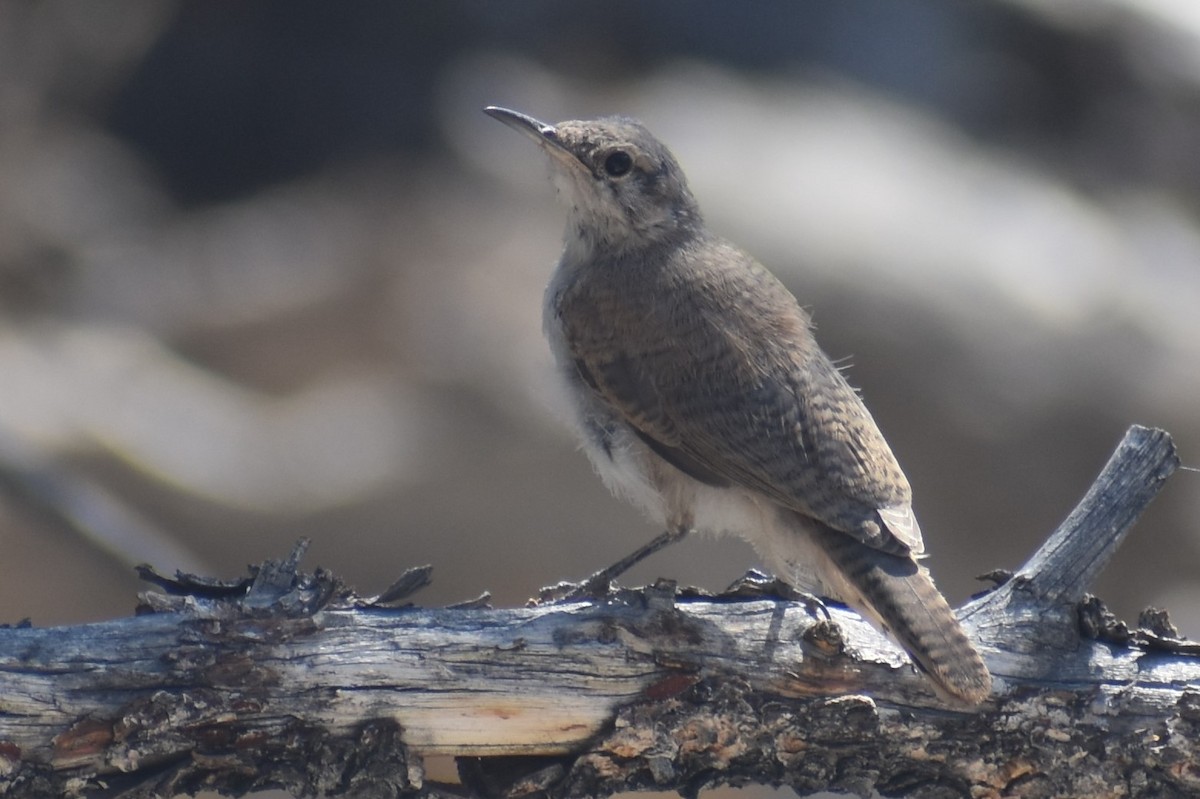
pixel 291 680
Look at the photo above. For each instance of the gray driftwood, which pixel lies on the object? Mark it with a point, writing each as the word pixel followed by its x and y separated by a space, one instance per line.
pixel 290 680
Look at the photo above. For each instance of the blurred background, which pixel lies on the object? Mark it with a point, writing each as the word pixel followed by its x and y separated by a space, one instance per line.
pixel 266 271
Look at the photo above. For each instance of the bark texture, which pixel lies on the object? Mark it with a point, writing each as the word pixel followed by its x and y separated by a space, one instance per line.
pixel 288 679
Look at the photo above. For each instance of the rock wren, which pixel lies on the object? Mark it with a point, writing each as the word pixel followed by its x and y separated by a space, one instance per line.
pixel 702 396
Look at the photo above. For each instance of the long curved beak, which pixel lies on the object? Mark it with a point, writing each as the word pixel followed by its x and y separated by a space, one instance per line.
pixel 535 129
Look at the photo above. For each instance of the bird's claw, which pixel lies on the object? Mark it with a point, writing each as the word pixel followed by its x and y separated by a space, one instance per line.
pixel 759 584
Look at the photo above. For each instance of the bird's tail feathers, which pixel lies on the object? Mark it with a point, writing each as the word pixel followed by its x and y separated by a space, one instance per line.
pixel 905 601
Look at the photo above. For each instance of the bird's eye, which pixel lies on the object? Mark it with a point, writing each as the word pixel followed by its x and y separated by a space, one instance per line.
pixel 618 163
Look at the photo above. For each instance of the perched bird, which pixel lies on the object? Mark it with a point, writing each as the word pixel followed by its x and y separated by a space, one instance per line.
pixel 701 394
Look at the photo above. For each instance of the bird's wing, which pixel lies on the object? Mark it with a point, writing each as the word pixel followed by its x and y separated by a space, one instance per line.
pixel 739 393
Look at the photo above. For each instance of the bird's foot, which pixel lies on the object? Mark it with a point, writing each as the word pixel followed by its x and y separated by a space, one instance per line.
pixel 561 592
pixel 756 584
pixel 815 605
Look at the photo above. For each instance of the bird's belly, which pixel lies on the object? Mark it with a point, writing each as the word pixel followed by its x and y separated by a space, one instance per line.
pixel 623 461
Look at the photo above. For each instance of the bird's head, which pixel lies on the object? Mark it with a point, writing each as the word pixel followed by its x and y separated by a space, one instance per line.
pixel 624 188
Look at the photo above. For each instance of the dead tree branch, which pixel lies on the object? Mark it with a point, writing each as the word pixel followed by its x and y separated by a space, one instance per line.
pixel 289 679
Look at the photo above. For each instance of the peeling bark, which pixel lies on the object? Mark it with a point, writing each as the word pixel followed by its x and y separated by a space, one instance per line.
pixel 288 679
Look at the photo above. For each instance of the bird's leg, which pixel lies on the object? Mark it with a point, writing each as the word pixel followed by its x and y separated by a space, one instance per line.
pixel 600 582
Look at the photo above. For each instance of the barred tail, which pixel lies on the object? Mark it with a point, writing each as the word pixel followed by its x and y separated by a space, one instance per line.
pixel 909 606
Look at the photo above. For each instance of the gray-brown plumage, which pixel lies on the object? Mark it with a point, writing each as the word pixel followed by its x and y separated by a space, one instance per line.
pixel 703 397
